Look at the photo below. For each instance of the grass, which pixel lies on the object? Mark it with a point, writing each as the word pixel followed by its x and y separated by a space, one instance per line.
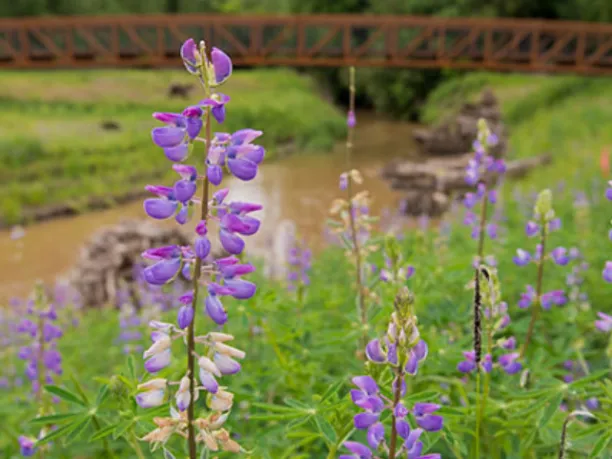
pixel 567 116
pixel 53 149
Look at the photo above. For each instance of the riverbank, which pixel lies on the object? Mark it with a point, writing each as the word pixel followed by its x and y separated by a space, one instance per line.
pixel 566 116
pixel 72 139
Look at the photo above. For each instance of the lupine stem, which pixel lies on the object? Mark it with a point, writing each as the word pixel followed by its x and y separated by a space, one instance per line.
pixel 477 354
pixel 396 399
pixel 538 301
pixel 483 221
pixel 349 190
pixel 191 329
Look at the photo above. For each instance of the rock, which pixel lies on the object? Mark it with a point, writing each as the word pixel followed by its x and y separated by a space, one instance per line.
pixel 178 90
pixel 110 125
pixel 108 261
pixel 431 185
pixel 457 134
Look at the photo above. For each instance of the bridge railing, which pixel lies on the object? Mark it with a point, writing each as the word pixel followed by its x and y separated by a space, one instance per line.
pixel 304 40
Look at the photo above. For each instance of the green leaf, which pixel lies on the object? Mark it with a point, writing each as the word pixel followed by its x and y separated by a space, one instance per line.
pixel 122 428
pixel 589 379
pixel 76 433
pixel 332 390
pixel 65 395
pixel 79 389
pixel 102 395
pixel 423 396
pixel 297 404
pixel 550 410
pixel 131 367
pixel 104 432
pixel 53 418
pixel 274 408
pixel 600 445
pixel 57 433
pixel 326 429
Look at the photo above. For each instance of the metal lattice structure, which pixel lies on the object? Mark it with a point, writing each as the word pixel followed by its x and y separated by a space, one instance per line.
pixel 302 40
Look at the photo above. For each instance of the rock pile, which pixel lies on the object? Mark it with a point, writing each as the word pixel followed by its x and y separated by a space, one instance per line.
pixel 456 135
pixel 108 260
pixel 431 185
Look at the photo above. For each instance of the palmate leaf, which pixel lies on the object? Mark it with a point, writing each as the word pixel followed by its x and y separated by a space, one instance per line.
pixel 103 394
pixel 76 433
pixel 62 431
pixel 65 394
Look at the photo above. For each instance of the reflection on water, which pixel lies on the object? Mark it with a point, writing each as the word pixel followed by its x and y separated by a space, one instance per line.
pixel 299 188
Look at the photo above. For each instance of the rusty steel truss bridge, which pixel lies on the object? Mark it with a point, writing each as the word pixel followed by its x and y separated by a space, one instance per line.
pixel 310 40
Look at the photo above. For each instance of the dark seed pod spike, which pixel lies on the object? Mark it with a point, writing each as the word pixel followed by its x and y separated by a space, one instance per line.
pixel 477 320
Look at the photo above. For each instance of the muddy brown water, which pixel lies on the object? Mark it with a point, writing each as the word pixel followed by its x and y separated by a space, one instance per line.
pixel 298 188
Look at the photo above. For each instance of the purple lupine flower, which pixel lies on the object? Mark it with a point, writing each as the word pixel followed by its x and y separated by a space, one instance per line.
pixel 358 451
pixel 130 323
pixel 555 297
pixel 509 364
pixel 222 65
pixel 351 120
pixel 367 398
pixel 607 272
pixel 299 264
pixel 527 298
pixel 605 322
pixel 217 105
pixel 522 257
pixel 560 256
pixel 609 191
pixel 532 229
pixel 27 446
pixel 43 360
pixel 424 417
pixel 469 364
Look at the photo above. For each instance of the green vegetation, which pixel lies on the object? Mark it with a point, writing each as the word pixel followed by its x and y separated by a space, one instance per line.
pixel 53 149
pixel 292 394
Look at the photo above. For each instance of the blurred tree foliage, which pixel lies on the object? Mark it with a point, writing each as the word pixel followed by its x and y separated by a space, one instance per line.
pixel 397 92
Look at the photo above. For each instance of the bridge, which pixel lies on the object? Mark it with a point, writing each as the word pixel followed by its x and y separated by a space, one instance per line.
pixel 310 40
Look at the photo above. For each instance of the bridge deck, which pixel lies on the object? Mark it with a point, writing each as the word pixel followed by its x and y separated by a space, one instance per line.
pixel 303 40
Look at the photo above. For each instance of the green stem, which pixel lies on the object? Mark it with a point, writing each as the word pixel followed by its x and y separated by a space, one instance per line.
pixel 399 371
pixel 197 272
pixel 483 221
pixel 135 445
pixel 109 452
pixel 363 312
pixel 538 300
pixel 478 414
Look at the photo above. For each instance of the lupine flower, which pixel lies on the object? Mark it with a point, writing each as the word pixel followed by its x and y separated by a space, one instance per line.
pixel 130 322
pixel 299 264
pixel 497 319
pixel 482 168
pixel 217 277
pixel 153 393
pixel 402 350
pixel 605 322
pixel 217 104
pixel 556 297
pixel 42 357
pixel 27 446
pixel 607 272
pixel 577 370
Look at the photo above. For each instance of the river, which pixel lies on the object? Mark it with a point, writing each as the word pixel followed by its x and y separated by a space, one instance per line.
pixel 298 188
